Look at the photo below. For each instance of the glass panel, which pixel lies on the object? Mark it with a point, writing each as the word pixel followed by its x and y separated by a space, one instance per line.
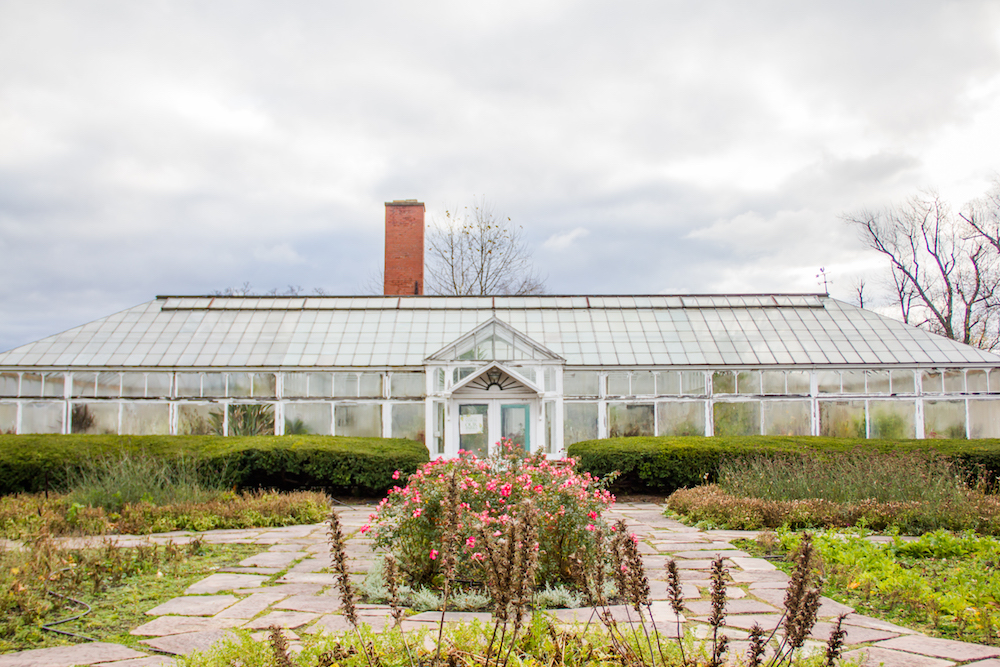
pixel 842 419
pixel 550 427
pixel 668 383
pixel 295 385
pixel 473 429
pixel 407 384
pixel 798 382
pixel 134 385
pixel 251 419
pixel 8 418
pixel 8 383
pixel 438 413
pixel 579 422
pixel 748 382
pixel 693 383
pixel 370 385
pixel 55 385
pixel 643 383
pixel 193 419
pixel 550 379
pixel 408 421
pixel 158 385
pixel 878 382
pixel 903 382
pixel 515 424
pixel 995 380
pixel 892 419
pixel 931 382
pixel 681 418
pixel 460 374
pixel 628 419
pixel 786 417
pixel 42 417
pixel 737 418
pixel 109 385
pixel 618 384
pixel 984 418
pixel 94 418
pixel 580 383
pixel 975 381
pixel 213 385
pixel 828 382
pixel 944 419
pixel 723 382
pixel 31 385
pixel 240 385
pixel 145 419
pixel 320 385
pixel 360 421
pixel 264 385
pixel 308 418
pixel 774 382
pixel 854 382
pixel 188 386
pixel 438 375
pixel 954 382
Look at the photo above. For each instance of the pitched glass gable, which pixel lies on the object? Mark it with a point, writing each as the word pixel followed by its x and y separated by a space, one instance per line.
pixel 494 341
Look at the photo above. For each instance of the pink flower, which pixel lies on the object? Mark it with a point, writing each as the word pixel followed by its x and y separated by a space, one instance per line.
pixel 592 514
pixel 505 489
pixel 395 475
pixel 477 556
pixel 470 542
pixel 417 512
pixel 538 488
pixel 591 527
pixel 365 528
pixel 434 554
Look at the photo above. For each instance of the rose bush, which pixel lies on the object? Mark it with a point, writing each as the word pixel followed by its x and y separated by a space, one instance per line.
pixel 492 491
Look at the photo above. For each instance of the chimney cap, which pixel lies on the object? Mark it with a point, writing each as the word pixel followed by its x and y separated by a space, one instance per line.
pixel 404 202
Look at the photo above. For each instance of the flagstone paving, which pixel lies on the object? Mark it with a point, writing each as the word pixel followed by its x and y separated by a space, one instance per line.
pixel 286 586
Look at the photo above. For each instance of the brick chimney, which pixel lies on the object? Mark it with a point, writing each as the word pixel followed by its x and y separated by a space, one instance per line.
pixel 404 247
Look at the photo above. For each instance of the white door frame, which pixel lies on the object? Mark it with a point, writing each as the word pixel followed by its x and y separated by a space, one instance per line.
pixel 493 427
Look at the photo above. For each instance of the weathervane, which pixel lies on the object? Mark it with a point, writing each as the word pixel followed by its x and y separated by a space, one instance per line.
pixel 826 286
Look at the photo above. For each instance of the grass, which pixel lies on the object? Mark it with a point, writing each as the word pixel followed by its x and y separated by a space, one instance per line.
pixel 910 492
pixel 943 584
pixel 119 584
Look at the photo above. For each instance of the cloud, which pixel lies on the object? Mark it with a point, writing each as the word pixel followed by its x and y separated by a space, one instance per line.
pixel 561 242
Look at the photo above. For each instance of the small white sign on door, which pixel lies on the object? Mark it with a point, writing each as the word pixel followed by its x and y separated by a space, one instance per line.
pixel 470 424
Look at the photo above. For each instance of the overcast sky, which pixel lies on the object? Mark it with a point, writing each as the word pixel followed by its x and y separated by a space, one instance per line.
pixel 168 147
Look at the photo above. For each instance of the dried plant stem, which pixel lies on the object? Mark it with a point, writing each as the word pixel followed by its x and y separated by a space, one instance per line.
pixel 718 617
pixel 338 548
pixel 391 580
pixel 449 524
pixel 676 595
pixel 835 644
pixel 802 600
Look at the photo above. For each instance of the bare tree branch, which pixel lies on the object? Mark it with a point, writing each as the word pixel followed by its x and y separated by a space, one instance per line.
pixel 477 252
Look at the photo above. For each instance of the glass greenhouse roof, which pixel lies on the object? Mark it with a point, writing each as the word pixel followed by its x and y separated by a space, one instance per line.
pixel 743 330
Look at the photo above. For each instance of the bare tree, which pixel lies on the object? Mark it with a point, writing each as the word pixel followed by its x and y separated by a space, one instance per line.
pixel 477 252
pixel 944 272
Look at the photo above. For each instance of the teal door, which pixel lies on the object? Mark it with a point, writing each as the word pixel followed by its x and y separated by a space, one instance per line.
pixel 515 423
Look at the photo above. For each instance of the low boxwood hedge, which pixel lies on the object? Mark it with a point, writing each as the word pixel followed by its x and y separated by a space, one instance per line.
pixel 665 464
pixel 333 463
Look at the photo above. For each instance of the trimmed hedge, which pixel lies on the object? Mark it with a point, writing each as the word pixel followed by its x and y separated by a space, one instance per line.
pixel 665 464
pixel 335 464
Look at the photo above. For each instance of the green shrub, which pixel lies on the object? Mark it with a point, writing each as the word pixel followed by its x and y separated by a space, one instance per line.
pixel 33 463
pixel 665 464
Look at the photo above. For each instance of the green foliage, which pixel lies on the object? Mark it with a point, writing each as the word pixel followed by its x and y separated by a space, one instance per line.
pixel 947 583
pixel 31 463
pixel 665 464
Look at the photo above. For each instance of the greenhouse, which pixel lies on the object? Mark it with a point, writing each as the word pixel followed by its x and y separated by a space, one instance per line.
pixel 459 373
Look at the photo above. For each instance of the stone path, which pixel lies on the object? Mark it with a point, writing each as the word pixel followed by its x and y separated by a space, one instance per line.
pixel 285 586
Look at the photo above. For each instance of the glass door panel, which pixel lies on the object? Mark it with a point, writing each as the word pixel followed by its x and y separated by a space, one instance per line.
pixel 473 429
pixel 516 425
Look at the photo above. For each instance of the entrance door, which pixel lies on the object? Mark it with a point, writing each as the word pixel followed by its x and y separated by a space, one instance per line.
pixel 515 423
pixel 481 424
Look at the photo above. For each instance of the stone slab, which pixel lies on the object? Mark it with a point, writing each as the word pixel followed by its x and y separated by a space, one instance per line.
pixel 187 642
pixel 248 607
pixel 948 649
pixel 312 565
pixel 880 657
pixel 733 607
pixel 855 634
pixel 151 661
pixel 876 624
pixel 251 570
pixel 283 590
pixel 337 623
pixel 308 578
pixel 658 591
pixel 193 605
pixel 279 559
pixel 225 581
pixel 759 575
pixel 175 625
pixel 282 619
pixel 694 564
pixel 320 604
pixel 753 564
pixel 708 553
pixel 451 617
pixel 989 662
pixel 286 547
pixel 67 656
pixel 746 621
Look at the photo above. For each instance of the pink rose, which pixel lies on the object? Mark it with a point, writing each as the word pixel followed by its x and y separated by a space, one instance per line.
pixel 434 554
pixel 395 475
